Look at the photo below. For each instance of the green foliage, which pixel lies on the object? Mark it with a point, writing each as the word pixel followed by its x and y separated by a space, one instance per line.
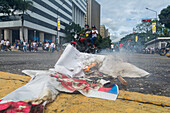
pixel 146 27
pixel 164 17
pixel 10 6
pixel 166 32
pixel 144 30
pixel 71 30
pixel 143 27
pixel 103 43
pixel 142 38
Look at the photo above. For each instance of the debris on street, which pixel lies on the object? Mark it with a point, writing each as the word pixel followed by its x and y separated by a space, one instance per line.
pixel 73 103
pixel 74 71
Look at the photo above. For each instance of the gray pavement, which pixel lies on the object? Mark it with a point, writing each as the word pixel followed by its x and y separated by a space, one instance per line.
pixel 157 83
pixel 16 61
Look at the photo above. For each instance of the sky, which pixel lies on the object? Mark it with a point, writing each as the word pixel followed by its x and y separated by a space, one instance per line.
pixel 121 16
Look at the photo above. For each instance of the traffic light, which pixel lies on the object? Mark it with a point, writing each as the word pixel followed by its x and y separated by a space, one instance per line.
pixel 146 20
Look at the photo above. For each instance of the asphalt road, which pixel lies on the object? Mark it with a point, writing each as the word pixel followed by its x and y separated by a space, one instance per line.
pixel 158 83
pixel 16 61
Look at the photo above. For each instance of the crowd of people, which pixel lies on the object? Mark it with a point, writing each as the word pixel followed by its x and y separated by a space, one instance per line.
pixel 150 50
pixel 31 46
pixel 117 47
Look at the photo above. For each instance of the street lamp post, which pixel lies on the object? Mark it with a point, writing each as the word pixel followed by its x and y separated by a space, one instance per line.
pixel 57 22
pixel 156 22
pixel 153 11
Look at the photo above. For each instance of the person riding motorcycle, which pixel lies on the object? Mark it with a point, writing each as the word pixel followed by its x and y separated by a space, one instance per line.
pixel 94 35
pixel 82 42
pixel 88 35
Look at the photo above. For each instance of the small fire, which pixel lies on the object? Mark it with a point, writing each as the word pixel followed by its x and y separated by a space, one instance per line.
pixel 87 68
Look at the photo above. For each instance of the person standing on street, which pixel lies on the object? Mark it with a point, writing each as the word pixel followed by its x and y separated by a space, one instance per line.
pixel 52 47
pixel 112 47
pixel 34 45
pixel 1 44
pixel 47 46
pixel 15 44
pixel 4 45
pixel 29 45
pixel 19 44
pixel 24 46
pixel 8 45
pixel 120 46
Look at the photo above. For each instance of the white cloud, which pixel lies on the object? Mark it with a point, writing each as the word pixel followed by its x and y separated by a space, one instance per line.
pixel 120 16
pixel 110 23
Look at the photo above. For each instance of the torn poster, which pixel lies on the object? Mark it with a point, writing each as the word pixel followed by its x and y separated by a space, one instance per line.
pixel 71 73
pixel 45 86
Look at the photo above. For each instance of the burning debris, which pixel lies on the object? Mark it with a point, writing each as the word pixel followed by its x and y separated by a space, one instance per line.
pixel 74 71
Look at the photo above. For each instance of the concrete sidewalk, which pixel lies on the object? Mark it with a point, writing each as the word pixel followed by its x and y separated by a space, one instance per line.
pixel 127 102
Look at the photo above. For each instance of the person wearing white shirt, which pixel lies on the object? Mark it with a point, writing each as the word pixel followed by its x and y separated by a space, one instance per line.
pixel 52 47
pixel 1 44
pixel 2 41
pixel 47 46
pixel 8 45
pixel 94 35
pixel 112 47
pixel 34 44
pixel 24 46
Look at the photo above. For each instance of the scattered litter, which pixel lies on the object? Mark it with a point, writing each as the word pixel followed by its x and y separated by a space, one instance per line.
pixel 74 71
pixel 123 81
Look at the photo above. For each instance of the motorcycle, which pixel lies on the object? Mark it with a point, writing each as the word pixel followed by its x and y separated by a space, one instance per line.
pixel 164 51
pixel 79 44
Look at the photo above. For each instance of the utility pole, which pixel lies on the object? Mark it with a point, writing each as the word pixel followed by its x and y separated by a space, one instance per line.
pixel 59 41
pixel 156 23
pixel 22 20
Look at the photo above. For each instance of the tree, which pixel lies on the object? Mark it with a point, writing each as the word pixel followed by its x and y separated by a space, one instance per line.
pixel 143 27
pixel 4 7
pixel 164 17
pixel 103 43
pixel 11 6
pixel 72 29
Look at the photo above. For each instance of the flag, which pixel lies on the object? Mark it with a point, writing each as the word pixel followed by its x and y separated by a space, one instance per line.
pixel 136 39
pixel 153 27
pixel 58 24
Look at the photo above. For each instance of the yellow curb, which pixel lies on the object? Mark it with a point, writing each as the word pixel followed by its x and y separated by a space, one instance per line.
pixel 127 102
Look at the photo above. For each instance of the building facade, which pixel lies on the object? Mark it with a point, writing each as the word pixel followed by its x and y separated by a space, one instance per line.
pixel 93 14
pixel 40 21
pixel 104 32
pixel 107 32
pixel 159 42
pixel 79 12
